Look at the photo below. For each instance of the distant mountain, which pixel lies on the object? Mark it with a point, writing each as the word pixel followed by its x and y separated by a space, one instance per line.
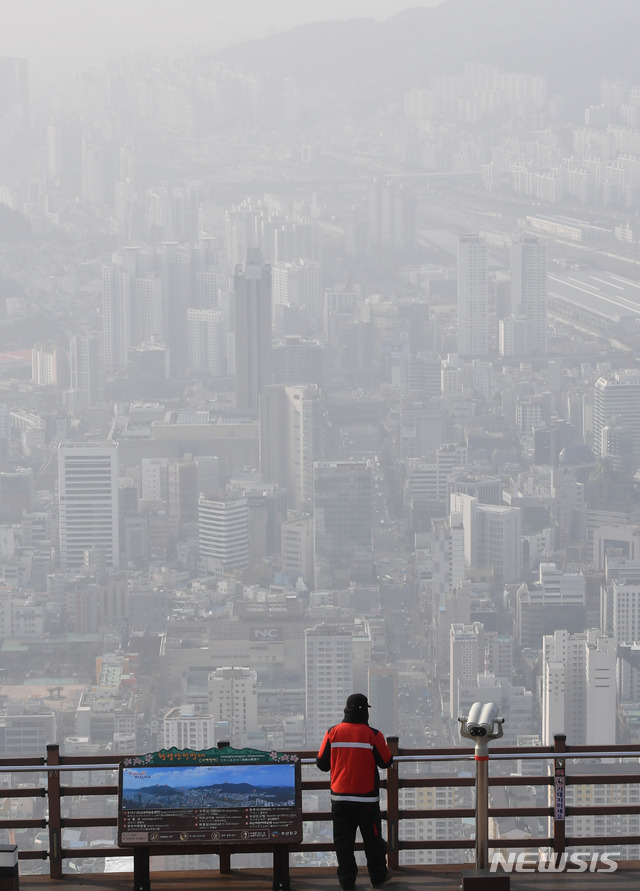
pixel 574 43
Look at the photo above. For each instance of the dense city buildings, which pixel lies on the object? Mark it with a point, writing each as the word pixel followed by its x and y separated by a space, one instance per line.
pixel 314 389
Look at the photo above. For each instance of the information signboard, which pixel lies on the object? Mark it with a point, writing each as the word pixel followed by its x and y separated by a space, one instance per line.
pixel 217 796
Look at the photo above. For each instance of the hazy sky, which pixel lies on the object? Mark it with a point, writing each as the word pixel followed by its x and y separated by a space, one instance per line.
pixel 65 34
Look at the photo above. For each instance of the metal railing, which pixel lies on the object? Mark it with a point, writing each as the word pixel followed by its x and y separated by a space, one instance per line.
pixel 54 768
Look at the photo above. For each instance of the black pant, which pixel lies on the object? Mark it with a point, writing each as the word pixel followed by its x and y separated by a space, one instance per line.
pixel 348 816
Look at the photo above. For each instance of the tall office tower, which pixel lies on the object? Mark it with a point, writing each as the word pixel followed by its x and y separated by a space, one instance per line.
pixel 223 534
pixel 88 502
pixel 44 364
pixel 253 330
pixel 291 440
pixel 473 296
pixel 616 401
pixel 343 511
pixel 579 687
pixel 466 658
pixel 84 368
pixel 328 677
pixel 529 288
pixel 233 700
pixel 205 341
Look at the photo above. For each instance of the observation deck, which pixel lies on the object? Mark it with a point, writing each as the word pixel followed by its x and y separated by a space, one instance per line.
pixel 63 832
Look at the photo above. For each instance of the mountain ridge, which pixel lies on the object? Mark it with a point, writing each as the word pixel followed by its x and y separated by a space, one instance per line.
pixel 574 43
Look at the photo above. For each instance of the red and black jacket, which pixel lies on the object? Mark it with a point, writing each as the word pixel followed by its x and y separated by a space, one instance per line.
pixel 353 752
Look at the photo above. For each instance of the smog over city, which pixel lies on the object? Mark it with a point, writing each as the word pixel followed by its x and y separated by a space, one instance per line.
pixel 319 338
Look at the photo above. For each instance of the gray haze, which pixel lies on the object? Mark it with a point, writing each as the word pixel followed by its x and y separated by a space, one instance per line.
pixel 62 36
pixel 319 373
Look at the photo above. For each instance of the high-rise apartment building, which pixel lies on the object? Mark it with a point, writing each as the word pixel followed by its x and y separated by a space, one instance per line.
pixel 529 288
pixel 206 341
pixel 328 677
pixel 473 296
pixel 88 502
pixel 343 512
pixel 44 364
pixel 298 298
pixel 616 402
pixel 252 330
pixel 579 687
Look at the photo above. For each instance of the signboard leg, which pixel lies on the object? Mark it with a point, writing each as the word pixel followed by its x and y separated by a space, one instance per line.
pixel 141 877
pixel 281 868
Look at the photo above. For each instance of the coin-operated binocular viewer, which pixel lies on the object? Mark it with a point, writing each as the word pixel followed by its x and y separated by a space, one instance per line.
pixel 482 725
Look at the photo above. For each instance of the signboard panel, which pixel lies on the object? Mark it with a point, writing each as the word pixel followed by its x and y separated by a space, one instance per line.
pixel 217 797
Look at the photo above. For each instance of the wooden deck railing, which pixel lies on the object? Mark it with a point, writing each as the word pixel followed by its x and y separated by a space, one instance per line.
pixel 55 768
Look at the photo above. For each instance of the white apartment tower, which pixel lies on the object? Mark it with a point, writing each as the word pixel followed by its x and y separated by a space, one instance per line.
pixel 529 288
pixel 328 677
pixel 473 296
pixel 616 396
pixel 579 688
pixel 205 341
pixel 88 502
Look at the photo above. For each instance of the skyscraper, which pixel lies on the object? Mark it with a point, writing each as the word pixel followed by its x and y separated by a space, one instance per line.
pixel 88 502
pixel 529 288
pixel 579 687
pixel 616 397
pixel 473 296
pixel 253 330
pixel 223 533
pixel 291 440
pixel 84 370
pixel 328 677
pixel 343 541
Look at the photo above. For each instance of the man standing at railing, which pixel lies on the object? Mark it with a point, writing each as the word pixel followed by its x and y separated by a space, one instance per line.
pixel 353 752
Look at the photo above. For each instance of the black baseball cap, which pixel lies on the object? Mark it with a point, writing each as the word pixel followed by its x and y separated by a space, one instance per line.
pixel 357 701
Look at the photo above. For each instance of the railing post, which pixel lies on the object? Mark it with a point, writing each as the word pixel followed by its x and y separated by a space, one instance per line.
pixel 55 821
pixel 393 806
pixel 559 792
